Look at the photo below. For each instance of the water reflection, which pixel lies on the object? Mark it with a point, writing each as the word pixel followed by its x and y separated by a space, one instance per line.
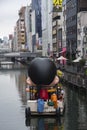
pixel 76 110
pixel 82 113
pixel 47 123
pixel 13 98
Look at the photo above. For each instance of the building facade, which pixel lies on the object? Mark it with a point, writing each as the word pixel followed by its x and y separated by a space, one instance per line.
pixel 21 29
pixel 71 28
pixel 57 27
pixel 28 28
pixel 46 27
pixel 82 34
pixel 73 7
pixel 64 29
pixel 36 25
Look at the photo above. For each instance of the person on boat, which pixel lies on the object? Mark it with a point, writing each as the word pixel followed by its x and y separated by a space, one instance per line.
pixel 42 72
pixel 54 100
pixel 63 94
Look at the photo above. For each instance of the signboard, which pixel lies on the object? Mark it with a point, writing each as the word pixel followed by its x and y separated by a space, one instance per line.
pixel 57 5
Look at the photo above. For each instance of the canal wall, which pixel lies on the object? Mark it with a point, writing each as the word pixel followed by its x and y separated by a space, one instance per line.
pixel 76 79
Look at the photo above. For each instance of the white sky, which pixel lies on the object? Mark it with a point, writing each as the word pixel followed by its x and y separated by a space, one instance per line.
pixel 9 15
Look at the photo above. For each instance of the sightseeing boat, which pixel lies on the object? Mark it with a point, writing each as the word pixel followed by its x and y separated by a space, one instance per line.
pixel 46 102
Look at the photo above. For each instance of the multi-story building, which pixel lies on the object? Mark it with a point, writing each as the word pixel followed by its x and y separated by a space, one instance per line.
pixel 44 27
pixel 71 28
pixel 15 40
pixel 21 29
pixel 47 27
pixel 36 24
pixel 82 29
pixel 17 33
pixel 82 34
pixel 11 42
pixel 64 28
pixel 57 30
pixel 28 26
pixel 73 7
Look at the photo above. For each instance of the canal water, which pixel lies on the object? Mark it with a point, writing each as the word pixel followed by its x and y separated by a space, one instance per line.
pixel 13 102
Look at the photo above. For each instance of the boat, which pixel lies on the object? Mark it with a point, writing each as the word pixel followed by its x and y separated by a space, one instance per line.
pixel 51 105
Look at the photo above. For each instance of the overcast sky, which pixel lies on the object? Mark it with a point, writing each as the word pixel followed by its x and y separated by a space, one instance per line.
pixel 9 15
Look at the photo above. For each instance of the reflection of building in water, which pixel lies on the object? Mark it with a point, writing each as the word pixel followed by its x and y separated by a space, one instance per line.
pixel 20 81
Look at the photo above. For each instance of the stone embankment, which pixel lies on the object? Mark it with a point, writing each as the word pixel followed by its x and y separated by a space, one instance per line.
pixel 78 79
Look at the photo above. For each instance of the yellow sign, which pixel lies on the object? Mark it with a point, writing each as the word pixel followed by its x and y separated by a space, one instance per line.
pixel 57 5
pixel 57 2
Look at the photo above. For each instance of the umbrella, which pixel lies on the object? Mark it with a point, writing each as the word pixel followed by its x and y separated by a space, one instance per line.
pixel 77 60
pixel 61 58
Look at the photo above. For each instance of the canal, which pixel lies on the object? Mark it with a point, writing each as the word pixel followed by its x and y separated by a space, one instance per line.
pixel 13 102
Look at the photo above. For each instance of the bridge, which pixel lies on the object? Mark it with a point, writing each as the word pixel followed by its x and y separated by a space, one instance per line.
pixel 18 54
pixel 12 56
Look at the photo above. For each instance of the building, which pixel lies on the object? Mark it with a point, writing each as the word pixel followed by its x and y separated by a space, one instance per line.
pixel 46 27
pixel 57 26
pixel 73 7
pixel 64 29
pixel 15 40
pixel 36 25
pixel 82 34
pixel 28 28
pixel 21 29
pixel 10 41
pixel 71 28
